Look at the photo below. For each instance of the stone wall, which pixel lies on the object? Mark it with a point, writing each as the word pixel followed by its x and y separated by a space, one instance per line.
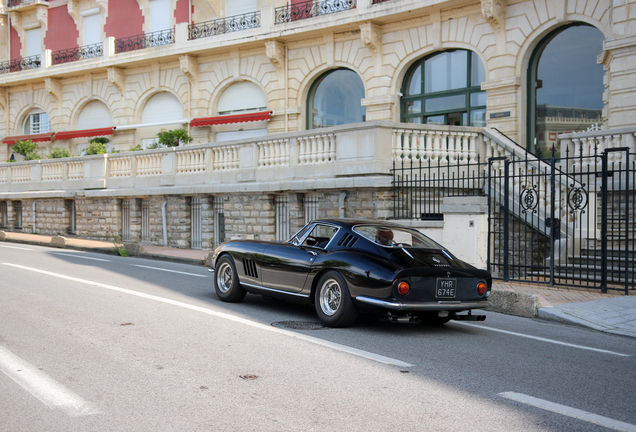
pixel 247 215
pixel 98 218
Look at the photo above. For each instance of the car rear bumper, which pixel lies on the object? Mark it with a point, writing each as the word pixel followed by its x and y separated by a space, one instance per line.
pixel 394 304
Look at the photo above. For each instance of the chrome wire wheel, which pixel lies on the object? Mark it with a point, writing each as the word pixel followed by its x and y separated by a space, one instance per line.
pixel 330 297
pixel 224 277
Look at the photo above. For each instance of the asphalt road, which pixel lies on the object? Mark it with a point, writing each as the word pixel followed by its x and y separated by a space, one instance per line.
pixel 92 342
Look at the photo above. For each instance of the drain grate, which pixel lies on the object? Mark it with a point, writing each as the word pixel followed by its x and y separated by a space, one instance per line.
pixel 299 325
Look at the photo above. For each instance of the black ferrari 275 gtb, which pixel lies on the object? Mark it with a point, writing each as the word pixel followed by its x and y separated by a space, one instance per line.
pixel 348 266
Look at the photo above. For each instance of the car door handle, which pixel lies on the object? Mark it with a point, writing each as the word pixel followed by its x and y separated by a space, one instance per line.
pixel 313 253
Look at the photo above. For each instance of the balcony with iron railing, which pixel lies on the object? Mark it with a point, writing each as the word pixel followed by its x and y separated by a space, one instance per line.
pixel 142 41
pixel 18 4
pixel 225 25
pixel 21 64
pixel 310 9
pixel 76 54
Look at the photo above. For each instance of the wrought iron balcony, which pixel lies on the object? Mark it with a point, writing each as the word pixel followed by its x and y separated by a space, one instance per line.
pixel 14 3
pixel 225 25
pixel 311 8
pixel 75 54
pixel 148 40
pixel 16 65
pixel 379 1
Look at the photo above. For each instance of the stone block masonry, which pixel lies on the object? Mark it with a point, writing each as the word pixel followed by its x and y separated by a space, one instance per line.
pixel 245 215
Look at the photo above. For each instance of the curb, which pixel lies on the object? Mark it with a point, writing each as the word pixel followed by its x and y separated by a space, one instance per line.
pixel 514 303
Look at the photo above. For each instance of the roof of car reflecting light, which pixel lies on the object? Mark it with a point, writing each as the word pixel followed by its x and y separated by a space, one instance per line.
pixel 350 223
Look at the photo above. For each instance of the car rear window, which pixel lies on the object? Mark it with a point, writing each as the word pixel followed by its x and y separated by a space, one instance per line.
pixel 395 237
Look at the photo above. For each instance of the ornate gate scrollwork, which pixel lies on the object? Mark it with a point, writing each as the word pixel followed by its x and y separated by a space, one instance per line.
pixel 577 198
pixel 529 199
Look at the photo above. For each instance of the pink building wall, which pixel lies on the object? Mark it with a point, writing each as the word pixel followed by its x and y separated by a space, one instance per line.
pixel 62 32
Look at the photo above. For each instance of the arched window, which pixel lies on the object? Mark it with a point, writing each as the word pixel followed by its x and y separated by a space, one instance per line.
pixel 162 108
pixel 95 114
pixel 240 98
pixel 445 89
pixel 565 86
pixel 37 121
pixel 336 98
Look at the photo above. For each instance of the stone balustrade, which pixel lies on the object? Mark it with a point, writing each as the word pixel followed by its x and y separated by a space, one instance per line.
pixel 585 145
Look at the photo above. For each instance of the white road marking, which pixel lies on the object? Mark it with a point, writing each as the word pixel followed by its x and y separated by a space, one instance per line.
pixel 80 256
pixel 171 271
pixel 15 247
pixel 544 339
pixel 317 341
pixel 43 387
pixel 570 412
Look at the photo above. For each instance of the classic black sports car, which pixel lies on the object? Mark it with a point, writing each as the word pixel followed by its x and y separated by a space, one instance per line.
pixel 349 266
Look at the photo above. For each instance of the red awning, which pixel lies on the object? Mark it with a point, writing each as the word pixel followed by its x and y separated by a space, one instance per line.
pixel 41 137
pixel 235 118
pixel 86 133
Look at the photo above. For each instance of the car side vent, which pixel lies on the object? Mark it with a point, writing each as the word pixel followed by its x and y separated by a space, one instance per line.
pixel 347 240
pixel 250 268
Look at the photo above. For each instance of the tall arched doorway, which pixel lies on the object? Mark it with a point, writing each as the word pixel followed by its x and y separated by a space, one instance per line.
pixel 565 86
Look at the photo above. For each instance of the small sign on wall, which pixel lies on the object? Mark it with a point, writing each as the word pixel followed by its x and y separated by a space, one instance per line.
pixel 500 114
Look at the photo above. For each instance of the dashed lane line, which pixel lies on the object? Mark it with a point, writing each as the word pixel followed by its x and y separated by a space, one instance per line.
pixel 570 412
pixel 541 339
pixel 81 256
pixel 229 317
pixel 15 247
pixel 43 387
pixel 171 271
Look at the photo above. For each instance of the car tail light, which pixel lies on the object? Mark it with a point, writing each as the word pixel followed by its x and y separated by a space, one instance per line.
pixel 482 288
pixel 404 288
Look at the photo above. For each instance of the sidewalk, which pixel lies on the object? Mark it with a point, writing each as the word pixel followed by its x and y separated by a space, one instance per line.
pixel 611 313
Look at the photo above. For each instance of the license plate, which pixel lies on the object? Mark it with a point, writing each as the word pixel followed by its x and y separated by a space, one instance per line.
pixel 446 288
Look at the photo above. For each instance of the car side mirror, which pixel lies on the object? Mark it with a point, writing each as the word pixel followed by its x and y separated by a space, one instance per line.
pixel 311 241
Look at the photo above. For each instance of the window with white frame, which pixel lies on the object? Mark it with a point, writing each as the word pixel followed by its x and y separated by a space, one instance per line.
pixel 159 15
pixel 241 98
pixel 162 108
pixel 95 114
pixel 33 42
pixel 92 20
pixel 37 121
pixel 240 7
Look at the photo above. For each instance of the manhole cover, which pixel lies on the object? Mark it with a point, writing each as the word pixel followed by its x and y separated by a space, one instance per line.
pixel 299 325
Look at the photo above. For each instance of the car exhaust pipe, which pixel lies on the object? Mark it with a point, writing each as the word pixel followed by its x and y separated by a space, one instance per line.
pixel 470 317
pixel 399 318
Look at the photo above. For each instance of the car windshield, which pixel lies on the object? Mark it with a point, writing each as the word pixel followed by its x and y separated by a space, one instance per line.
pixel 396 237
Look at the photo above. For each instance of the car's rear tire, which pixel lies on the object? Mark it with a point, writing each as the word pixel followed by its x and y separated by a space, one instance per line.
pixel 434 319
pixel 334 305
pixel 226 281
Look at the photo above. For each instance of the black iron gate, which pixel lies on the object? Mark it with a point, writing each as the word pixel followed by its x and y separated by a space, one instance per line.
pixel 567 221
pixel 562 221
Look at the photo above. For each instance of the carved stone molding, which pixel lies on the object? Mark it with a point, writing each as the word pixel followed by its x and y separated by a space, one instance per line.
pixel 371 35
pixel 73 10
pixel 54 88
pixel 117 79
pixel 275 52
pixel 103 6
pixel 495 13
pixel 16 21
pixel 190 67
pixel 4 19
pixel 42 15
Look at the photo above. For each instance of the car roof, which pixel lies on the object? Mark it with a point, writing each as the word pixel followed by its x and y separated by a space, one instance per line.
pixel 350 223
